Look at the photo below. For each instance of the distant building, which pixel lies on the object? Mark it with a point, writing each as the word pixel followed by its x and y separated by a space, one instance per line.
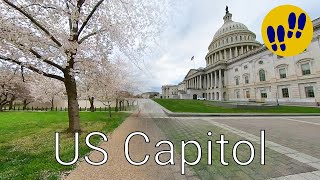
pixel 169 92
pixel 150 95
pixel 239 68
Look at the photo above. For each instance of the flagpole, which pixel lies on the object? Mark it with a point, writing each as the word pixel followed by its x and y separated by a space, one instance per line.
pixel 194 65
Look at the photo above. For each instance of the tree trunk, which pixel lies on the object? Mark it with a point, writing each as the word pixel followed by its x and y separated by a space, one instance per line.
pixel 13 98
pixel 116 108
pixel 109 111
pixel 91 100
pixel 24 104
pixel 52 104
pixel 10 105
pixel 73 106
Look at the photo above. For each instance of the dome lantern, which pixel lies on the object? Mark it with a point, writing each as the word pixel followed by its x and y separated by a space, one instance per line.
pixel 228 16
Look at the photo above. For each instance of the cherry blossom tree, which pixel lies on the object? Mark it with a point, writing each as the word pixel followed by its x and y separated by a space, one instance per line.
pixel 46 89
pixel 107 83
pixel 13 87
pixel 53 37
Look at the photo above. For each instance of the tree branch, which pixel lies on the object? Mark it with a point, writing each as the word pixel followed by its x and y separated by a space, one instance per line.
pixel 41 58
pixel 89 16
pixel 89 35
pixel 34 22
pixel 46 60
pixel 69 13
pixel 32 69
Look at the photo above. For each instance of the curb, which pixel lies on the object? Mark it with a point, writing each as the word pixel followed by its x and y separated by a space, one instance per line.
pixel 238 115
pixel 172 114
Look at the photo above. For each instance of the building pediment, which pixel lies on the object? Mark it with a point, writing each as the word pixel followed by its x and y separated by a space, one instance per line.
pixel 191 72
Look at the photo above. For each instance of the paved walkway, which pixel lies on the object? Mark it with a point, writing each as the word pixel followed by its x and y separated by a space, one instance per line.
pixel 292 147
pixel 117 166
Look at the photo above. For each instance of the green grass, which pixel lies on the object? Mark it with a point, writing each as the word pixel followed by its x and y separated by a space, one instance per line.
pixel 27 141
pixel 194 106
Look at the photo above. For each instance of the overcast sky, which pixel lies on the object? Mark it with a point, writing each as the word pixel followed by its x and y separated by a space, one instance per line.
pixel 192 28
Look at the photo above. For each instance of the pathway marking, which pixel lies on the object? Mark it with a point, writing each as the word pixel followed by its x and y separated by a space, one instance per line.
pixel 315 175
pixel 301 157
pixel 300 121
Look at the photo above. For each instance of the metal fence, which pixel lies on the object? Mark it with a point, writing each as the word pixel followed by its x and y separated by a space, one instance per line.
pixel 19 108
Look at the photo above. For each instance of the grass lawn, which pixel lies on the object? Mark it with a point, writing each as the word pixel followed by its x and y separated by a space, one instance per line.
pixel 27 141
pixel 195 106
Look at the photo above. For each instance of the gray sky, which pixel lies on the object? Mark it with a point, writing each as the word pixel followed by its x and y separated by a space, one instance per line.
pixel 192 28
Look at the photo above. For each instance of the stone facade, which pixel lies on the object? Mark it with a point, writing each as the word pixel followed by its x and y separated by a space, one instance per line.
pixel 239 68
pixel 169 92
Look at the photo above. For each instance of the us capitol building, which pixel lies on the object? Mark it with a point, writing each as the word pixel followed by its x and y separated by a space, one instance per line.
pixel 239 68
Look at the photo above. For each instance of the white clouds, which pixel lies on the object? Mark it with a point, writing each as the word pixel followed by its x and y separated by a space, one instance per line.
pixel 192 29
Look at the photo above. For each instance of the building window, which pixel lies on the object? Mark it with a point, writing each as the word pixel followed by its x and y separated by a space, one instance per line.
pixel 264 94
pixel 262 75
pixel 305 69
pixel 285 93
pixel 238 95
pixel 283 73
pixel 248 94
pixel 246 79
pixel 309 92
pixel 237 81
pixel 245 67
pixel 260 62
pixel 236 70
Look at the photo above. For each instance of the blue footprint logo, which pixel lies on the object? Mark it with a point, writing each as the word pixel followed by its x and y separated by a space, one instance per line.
pixel 287 30
pixel 281 32
pixel 281 36
pixel 292 24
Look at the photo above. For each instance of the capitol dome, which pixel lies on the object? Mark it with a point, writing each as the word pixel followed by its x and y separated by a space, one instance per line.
pixel 230 41
pixel 230 26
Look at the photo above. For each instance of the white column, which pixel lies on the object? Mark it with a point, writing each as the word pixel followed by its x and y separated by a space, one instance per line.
pixel 241 49
pixel 236 51
pixel 208 81
pixel 225 54
pixel 196 82
pixel 215 79
pixel 211 80
pixel 225 78
pixel 230 57
pixel 220 78
pixel 247 48
pixel 200 82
